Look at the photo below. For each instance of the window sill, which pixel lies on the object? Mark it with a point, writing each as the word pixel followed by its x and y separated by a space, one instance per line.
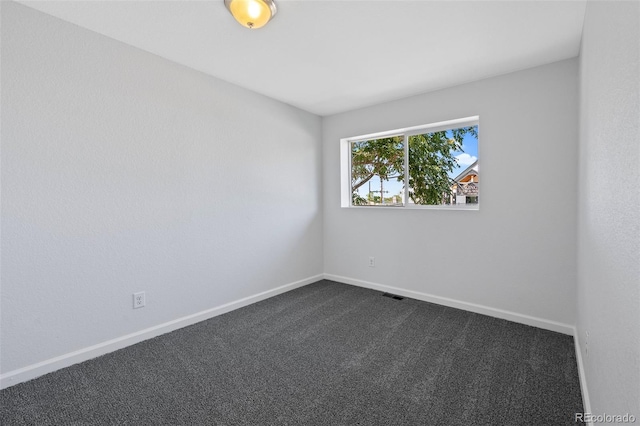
pixel 472 207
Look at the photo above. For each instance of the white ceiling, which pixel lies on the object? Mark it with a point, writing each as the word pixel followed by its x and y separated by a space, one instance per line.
pixel 328 56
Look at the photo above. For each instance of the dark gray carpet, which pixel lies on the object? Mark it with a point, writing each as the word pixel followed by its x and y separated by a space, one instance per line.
pixel 324 354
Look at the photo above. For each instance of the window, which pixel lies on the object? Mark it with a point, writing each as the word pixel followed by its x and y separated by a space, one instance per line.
pixel 439 161
pixel 377 168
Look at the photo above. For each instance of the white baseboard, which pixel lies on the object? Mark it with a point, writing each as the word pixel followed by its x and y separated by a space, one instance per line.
pixel 586 403
pixel 35 370
pixel 472 307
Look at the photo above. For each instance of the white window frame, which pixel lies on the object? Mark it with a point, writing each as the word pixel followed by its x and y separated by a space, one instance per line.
pixel 345 163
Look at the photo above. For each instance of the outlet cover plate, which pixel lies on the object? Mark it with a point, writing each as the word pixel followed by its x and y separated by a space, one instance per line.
pixel 138 300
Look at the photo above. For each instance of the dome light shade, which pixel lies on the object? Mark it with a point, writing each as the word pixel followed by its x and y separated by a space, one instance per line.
pixel 251 13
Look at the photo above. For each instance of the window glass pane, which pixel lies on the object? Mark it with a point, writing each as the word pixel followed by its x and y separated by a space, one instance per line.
pixel 377 172
pixel 443 167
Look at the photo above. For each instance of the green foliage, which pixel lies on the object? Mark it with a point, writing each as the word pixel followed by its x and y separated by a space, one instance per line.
pixel 382 157
pixel 357 200
pixel 430 161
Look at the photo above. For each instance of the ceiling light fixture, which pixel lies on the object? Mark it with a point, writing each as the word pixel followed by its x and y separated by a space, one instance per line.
pixel 251 13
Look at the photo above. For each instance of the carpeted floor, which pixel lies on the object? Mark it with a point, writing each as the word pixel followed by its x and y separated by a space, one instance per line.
pixel 324 354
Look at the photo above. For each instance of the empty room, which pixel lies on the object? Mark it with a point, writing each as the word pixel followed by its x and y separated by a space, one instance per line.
pixel 319 212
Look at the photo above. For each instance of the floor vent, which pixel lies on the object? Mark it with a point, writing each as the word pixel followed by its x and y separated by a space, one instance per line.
pixel 393 296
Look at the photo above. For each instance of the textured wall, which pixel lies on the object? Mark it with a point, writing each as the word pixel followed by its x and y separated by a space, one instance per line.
pixel 124 172
pixel 609 207
pixel 518 252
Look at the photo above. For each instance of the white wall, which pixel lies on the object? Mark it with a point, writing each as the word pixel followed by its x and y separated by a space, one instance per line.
pixel 518 252
pixel 609 206
pixel 124 172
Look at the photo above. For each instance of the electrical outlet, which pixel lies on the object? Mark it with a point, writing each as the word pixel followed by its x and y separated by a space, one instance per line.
pixel 372 262
pixel 586 344
pixel 138 300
